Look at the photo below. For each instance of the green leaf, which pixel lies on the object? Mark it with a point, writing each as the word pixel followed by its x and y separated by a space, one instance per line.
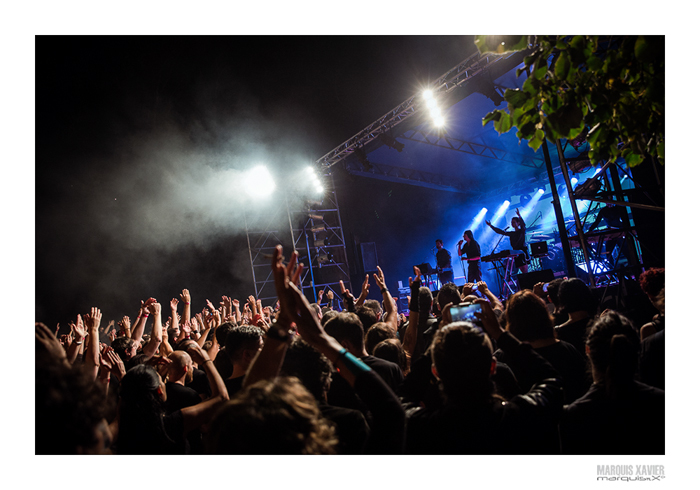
pixel 500 44
pixel 529 87
pixel 642 49
pixel 504 124
pixel 594 63
pixel 536 141
pixel 562 66
pixel 578 42
pixel 540 72
pixel 660 150
pixel 492 116
pixel 632 157
pixel 515 98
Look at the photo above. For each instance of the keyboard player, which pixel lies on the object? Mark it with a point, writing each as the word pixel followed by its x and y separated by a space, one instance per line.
pixel 471 253
pixel 517 239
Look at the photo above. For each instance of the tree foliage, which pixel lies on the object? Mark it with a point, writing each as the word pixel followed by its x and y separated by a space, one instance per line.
pixel 609 90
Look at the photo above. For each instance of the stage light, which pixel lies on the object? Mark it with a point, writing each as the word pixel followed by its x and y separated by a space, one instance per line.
pixel 505 203
pixel 310 170
pixel 427 94
pixel 322 242
pixel 435 112
pixel 597 171
pixel 574 180
pixel 258 182
pixel 431 103
pixel 318 229
pixel 325 258
pixel 319 189
pixel 314 215
pixel 540 191
pixel 439 121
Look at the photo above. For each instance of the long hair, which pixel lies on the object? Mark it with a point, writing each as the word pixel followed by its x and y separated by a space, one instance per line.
pixel 462 356
pixel 141 429
pixel 271 417
pixel 613 346
pixel 527 317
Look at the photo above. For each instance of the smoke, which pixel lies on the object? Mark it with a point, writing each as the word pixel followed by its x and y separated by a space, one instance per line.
pixel 163 205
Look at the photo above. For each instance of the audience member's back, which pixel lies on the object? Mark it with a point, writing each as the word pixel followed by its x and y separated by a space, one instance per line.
pixel 618 415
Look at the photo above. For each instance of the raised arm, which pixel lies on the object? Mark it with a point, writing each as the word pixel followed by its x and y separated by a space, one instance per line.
pixel 410 337
pixel 197 415
pixel 140 324
pixel 79 332
pixel 187 309
pixel 497 230
pixel 365 292
pixel 392 318
pixel 484 289
pixel 92 351
pixel 173 314
pixel 151 347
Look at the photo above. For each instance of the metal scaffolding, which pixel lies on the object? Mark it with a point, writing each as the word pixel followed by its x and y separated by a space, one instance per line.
pixel 311 227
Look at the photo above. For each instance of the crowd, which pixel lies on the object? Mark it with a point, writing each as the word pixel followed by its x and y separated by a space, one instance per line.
pixel 542 373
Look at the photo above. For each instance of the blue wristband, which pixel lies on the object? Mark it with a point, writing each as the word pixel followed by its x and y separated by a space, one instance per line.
pixel 352 363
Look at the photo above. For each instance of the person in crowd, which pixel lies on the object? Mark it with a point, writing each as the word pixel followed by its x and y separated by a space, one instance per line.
pixel 578 302
pixel 618 415
pixel 377 333
pixel 314 371
pixel 242 345
pixel 278 415
pixel 444 263
pixel 474 420
pixel 528 319
pixel 652 282
pixel 144 427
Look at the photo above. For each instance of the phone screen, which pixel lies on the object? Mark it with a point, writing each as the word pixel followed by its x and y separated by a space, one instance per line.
pixel 465 312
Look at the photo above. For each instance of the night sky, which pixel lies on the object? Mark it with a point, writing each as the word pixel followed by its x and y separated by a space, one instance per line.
pixel 134 136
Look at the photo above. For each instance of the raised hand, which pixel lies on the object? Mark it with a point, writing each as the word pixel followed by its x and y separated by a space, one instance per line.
pixel 93 319
pixel 236 304
pixel 488 319
pixel 320 295
pixel 210 305
pixel 365 286
pixel 173 304
pixel 330 295
pixel 196 353
pixel 154 307
pixel 46 340
pixel 117 364
pixel 379 278
pixel 78 329
pixel 185 296
pixel 482 286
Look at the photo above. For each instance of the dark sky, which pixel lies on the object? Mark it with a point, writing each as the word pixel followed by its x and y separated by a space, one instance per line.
pixel 135 135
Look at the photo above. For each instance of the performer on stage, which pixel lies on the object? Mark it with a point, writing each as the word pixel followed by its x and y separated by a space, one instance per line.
pixel 444 264
pixel 517 239
pixel 472 250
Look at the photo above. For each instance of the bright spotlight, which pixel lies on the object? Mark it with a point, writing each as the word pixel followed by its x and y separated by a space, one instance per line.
pixel 310 169
pixel 540 191
pixel 435 112
pixel 431 103
pixel 258 181
pixel 574 180
pixel 439 121
pixel 427 94
pixel 319 189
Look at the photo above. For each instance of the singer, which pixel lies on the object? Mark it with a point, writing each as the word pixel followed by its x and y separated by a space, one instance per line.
pixel 472 250
pixel 517 239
